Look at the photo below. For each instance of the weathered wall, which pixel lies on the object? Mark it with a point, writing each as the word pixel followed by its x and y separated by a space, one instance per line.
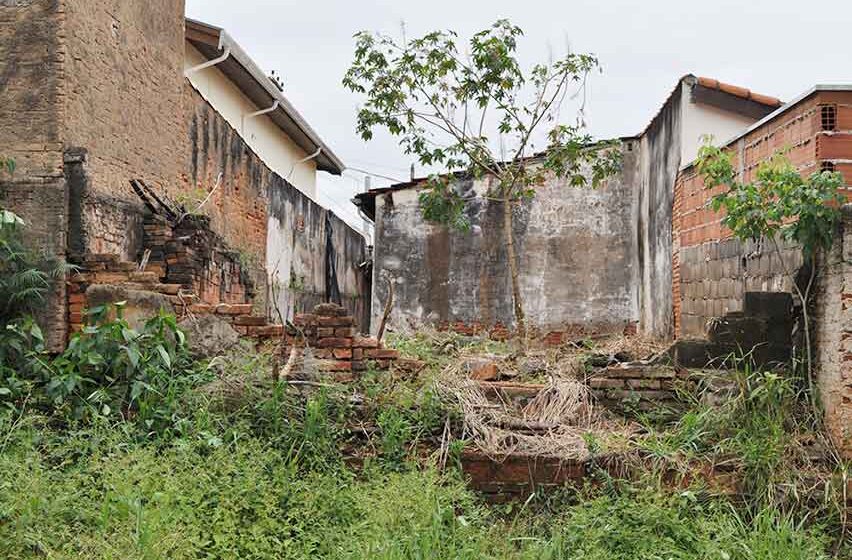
pixel 265 138
pixel 660 161
pixel 123 105
pixel 833 336
pixel 32 51
pixel 313 257
pixel 287 241
pixel 576 248
pixel 711 271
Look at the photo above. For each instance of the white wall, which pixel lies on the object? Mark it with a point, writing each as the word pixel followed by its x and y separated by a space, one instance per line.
pixel 269 142
pixel 700 120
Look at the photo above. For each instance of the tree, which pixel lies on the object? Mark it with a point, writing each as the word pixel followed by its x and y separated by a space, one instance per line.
pixel 478 115
pixel 778 203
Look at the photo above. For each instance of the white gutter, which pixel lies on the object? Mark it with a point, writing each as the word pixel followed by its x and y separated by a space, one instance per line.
pixel 257 114
pixel 189 71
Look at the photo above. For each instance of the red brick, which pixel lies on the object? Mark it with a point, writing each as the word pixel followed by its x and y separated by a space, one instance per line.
pixel 234 309
pixel 76 298
pixel 358 354
pixel 76 307
pixel 325 332
pixel 331 365
pixel 344 331
pixel 365 342
pixel 75 317
pixel 342 353
pixel 201 308
pixel 335 321
pixel 382 354
pixel 334 343
pixel 276 331
pixel 305 319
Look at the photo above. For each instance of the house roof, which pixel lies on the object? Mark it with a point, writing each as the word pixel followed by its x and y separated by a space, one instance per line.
pixel 783 108
pixel 725 96
pixel 212 41
pixel 740 92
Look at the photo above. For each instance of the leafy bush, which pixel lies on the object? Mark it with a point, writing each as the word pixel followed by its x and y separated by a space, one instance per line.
pixel 25 275
pixel 107 369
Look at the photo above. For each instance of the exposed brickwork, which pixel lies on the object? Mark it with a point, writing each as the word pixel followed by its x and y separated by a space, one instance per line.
pixel 31 69
pixel 712 271
pixel 331 337
pixel 104 269
pixel 123 92
pixel 194 257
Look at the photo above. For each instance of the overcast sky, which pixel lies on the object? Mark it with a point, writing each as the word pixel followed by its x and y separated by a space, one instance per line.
pixel 775 47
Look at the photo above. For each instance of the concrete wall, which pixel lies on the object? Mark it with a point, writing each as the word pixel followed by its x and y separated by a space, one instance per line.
pixel 576 247
pixel 833 336
pixel 660 159
pixel 313 257
pixel 265 138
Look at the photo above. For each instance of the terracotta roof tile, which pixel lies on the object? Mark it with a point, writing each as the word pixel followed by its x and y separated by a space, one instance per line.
pixel 740 92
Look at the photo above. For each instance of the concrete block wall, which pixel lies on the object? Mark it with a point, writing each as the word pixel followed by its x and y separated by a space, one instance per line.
pixel 711 271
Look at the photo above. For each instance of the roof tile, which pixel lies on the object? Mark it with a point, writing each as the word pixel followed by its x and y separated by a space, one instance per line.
pixel 741 92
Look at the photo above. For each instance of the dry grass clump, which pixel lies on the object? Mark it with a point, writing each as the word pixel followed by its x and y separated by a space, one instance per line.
pixel 559 421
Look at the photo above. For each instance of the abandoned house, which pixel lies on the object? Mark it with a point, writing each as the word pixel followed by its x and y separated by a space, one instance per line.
pixel 644 252
pixel 103 100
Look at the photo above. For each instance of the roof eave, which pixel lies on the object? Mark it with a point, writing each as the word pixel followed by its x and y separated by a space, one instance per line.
pixel 218 38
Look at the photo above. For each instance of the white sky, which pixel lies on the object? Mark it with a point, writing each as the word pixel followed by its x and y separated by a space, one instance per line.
pixel 775 47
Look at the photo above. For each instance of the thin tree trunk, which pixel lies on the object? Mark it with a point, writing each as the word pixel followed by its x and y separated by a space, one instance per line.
pixel 511 256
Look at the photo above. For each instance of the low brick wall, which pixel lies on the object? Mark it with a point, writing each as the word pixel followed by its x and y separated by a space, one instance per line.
pixel 330 336
pixel 108 270
pixel 516 477
pixel 640 385
pixel 191 255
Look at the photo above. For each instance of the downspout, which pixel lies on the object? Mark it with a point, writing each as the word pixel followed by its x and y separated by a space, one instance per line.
pixel 214 62
pixel 257 114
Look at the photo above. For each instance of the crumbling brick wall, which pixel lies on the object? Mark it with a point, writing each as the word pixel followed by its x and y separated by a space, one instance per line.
pixel 192 256
pixel 31 66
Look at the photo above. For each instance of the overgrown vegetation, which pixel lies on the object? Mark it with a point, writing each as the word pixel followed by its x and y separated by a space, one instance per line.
pixel 123 447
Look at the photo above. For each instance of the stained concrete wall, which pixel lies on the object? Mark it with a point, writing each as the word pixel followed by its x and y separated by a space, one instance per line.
pixel 659 164
pixel 833 335
pixel 576 247
pixel 313 257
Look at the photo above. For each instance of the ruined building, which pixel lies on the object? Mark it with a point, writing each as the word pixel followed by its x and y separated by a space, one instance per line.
pixel 95 94
pixel 644 252
pixel 591 260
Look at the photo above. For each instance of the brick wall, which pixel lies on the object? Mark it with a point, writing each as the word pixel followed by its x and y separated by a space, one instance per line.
pixel 31 66
pixel 712 271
